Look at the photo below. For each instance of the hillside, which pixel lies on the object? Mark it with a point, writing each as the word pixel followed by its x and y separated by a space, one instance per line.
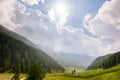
pixel 14 50
pixel 16 36
pixel 70 60
pixel 98 74
pixel 106 61
pixel 73 60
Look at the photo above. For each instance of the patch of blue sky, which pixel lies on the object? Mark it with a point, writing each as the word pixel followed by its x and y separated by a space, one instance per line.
pixel 79 8
pixel 82 7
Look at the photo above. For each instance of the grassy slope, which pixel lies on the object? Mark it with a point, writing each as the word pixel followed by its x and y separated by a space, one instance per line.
pixel 99 74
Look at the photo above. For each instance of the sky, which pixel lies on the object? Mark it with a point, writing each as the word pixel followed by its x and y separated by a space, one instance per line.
pixel 90 27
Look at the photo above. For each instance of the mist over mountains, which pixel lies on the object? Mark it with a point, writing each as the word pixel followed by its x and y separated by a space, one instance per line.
pixel 76 60
pixel 73 60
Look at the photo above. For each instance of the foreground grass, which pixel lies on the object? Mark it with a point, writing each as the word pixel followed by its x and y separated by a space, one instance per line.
pixel 99 74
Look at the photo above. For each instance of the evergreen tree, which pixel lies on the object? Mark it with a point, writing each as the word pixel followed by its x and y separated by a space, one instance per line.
pixel 35 73
pixel 74 71
pixel 16 72
pixel 106 61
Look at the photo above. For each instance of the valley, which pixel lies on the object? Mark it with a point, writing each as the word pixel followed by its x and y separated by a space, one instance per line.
pixel 17 56
pixel 59 40
pixel 98 74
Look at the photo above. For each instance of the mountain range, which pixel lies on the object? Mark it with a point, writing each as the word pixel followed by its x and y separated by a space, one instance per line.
pixel 75 60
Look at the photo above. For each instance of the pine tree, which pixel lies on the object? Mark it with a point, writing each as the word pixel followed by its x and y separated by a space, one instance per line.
pixel 35 72
pixel 16 72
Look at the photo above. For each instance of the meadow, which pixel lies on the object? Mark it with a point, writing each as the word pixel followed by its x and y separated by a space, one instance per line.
pixel 98 74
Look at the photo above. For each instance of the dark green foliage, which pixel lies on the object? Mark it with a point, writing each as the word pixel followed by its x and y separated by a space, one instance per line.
pixel 97 63
pixel 16 72
pixel 13 51
pixel 36 72
pixel 106 61
pixel 74 71
pixel 113 60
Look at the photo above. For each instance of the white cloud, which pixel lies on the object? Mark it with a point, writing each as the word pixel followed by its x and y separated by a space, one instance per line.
pixel 87 18
pixel 106 25
pixel 33 2
pixel 7 13
pixel 106 22
pixel 77 42
pixel 43 29
pixel 51 14
pixel 37 28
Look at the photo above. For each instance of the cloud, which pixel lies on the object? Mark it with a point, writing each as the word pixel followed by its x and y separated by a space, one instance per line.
pixel 7 15
pixel 107 21
pixel 50 31
pixel 35 26
pixel 106 25
pixel 33 2
pixel 73 40
pixel 87 18
pixel 38 28
pixel 113 48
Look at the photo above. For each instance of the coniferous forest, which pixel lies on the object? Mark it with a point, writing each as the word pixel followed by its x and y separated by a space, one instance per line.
pixel 14 52
pixel 106 61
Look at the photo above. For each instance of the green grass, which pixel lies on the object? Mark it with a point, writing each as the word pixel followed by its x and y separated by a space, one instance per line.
pixel 99 74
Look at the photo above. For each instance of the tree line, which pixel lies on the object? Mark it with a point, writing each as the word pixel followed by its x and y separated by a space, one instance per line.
pixel 110 61
pixel 35 72
pixel 13 51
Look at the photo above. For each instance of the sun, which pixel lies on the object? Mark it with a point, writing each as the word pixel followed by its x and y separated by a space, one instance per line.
pixel 61 8
pixel 59 12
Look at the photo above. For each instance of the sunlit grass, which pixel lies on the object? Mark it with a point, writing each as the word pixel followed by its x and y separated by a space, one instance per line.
pixel 99 74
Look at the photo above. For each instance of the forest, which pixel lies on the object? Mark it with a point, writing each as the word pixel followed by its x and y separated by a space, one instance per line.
pixel 13 52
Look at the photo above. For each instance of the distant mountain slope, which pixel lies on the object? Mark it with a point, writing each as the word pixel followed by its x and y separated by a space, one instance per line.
pixel 15 49
pixel 16 36
pixel 71 59
pixel 97 63
pixel 106 61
